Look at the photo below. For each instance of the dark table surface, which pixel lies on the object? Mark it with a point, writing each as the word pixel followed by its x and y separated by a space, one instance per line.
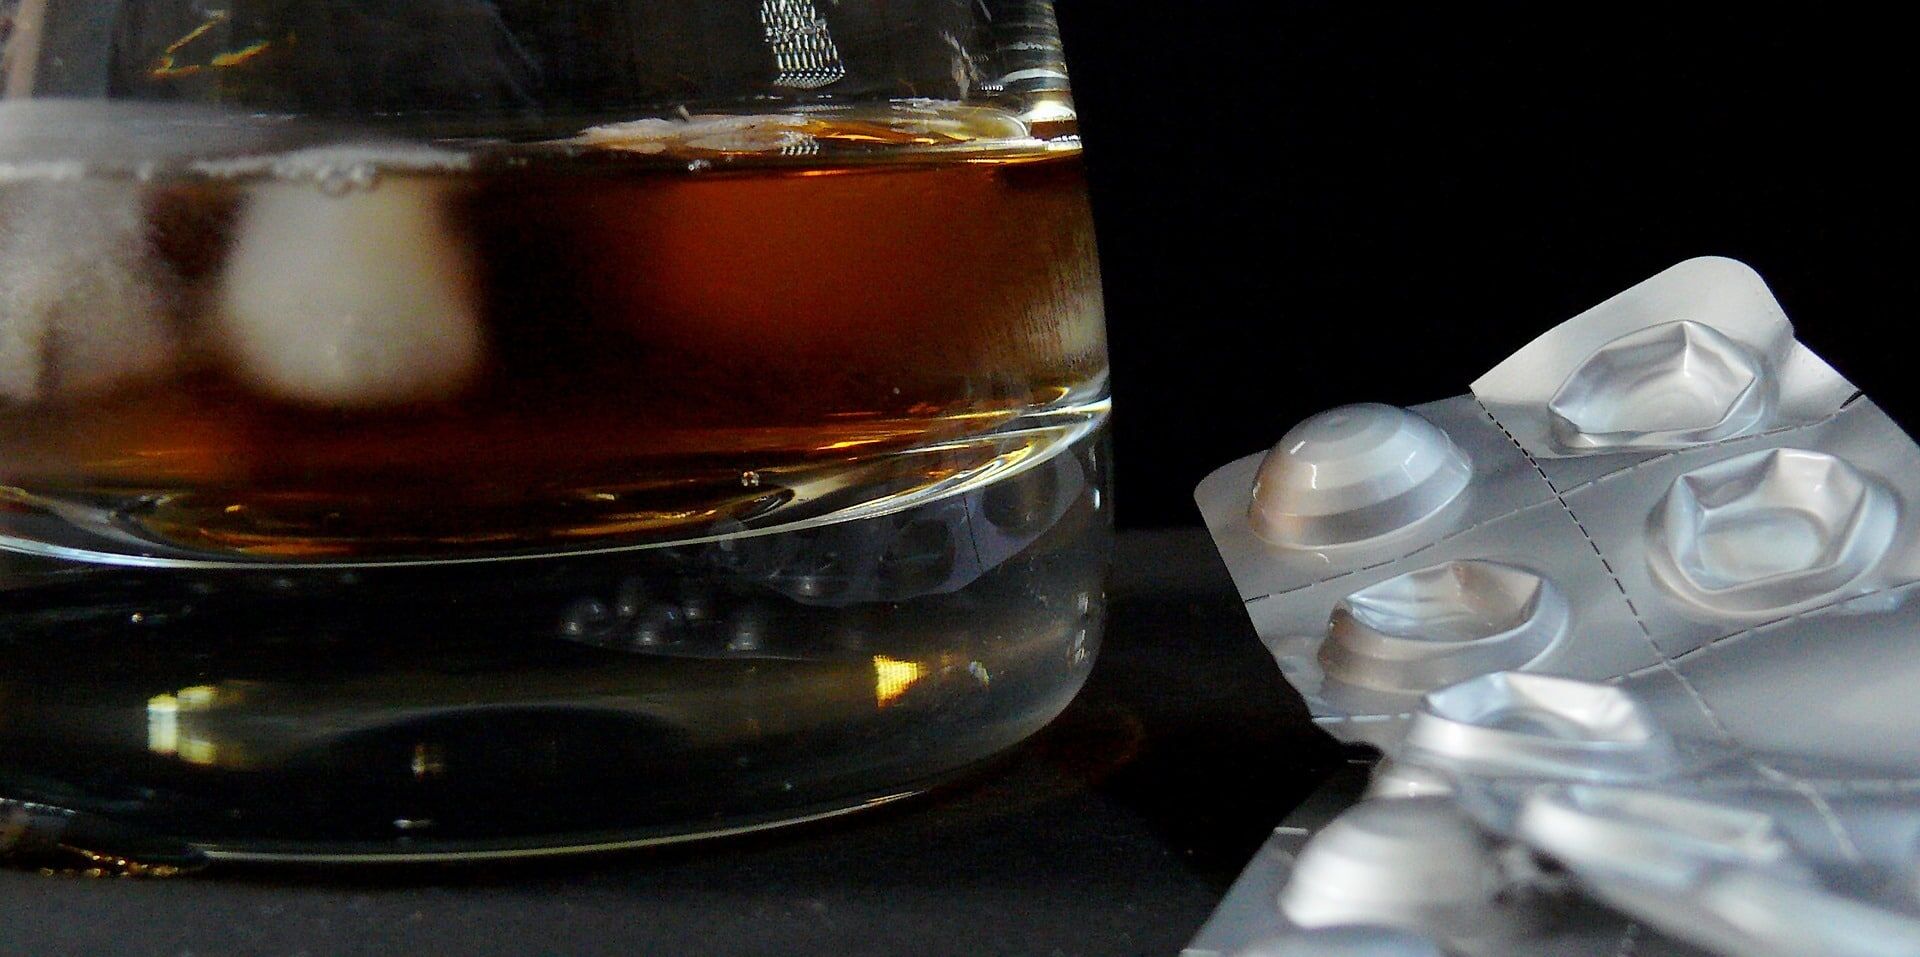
pixel 1115 831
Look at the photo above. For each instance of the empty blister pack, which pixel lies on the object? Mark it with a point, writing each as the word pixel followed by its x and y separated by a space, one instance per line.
pixel 1526 814
pixel 1663 472
pixel 1408 878
pixel 1701 834
pixel 1694 516
pixel 1700 353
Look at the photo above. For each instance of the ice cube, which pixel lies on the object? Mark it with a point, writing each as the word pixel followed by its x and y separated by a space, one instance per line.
pixel 83 299
pixel 358 298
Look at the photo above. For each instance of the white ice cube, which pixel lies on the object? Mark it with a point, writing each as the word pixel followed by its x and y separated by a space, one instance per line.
pixel 359 298
pixel 82 296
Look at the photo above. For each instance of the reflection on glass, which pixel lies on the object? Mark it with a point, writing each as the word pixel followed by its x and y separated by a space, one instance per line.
pixel 503 422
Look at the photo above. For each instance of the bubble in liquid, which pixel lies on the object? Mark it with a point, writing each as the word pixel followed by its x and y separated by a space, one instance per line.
pixel 585 619
pixel 630 598
pixel 656 626
pixel 695 605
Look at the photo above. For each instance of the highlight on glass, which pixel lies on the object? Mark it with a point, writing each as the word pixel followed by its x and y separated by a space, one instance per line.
pixel 461 427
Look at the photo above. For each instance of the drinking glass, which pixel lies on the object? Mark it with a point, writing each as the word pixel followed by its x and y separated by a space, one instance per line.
pixel 452 428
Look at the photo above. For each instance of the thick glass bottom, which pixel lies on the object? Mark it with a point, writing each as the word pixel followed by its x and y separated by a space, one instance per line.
pixel 554 704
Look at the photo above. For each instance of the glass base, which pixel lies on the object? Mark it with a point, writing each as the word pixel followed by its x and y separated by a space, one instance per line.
pixel 559 704
pixel 537 847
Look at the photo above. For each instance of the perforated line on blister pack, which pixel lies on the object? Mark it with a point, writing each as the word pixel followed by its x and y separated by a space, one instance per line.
pixel 1666 663
pixel 1400 715
pixel 1442 540
pixel 1817 611
pixel 1552 501
pixel 1672 453
pixel 1349 572
pixel 1842 839
pixel 1560 499
pixel 1815 791
pixel 1822 786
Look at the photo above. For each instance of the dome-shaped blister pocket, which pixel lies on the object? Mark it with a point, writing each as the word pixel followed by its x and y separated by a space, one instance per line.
pixel 1355 473
pixel 1360 487
pixel 1413 863
pixel 1770 530
pixel 1441 624
pixel 1668 386
pixel 1536 725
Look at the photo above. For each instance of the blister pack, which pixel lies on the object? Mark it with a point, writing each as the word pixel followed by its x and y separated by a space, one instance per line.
pixel 1633 611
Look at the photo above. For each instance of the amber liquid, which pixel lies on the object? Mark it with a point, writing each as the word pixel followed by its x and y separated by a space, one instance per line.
pixel 432 502
pixel 661 347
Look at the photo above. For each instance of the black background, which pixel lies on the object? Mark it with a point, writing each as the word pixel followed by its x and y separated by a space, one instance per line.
pixel 1300 205
pixel 1307 204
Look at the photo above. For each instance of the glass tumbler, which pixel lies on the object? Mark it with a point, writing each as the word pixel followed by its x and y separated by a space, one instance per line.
pixel 463 428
